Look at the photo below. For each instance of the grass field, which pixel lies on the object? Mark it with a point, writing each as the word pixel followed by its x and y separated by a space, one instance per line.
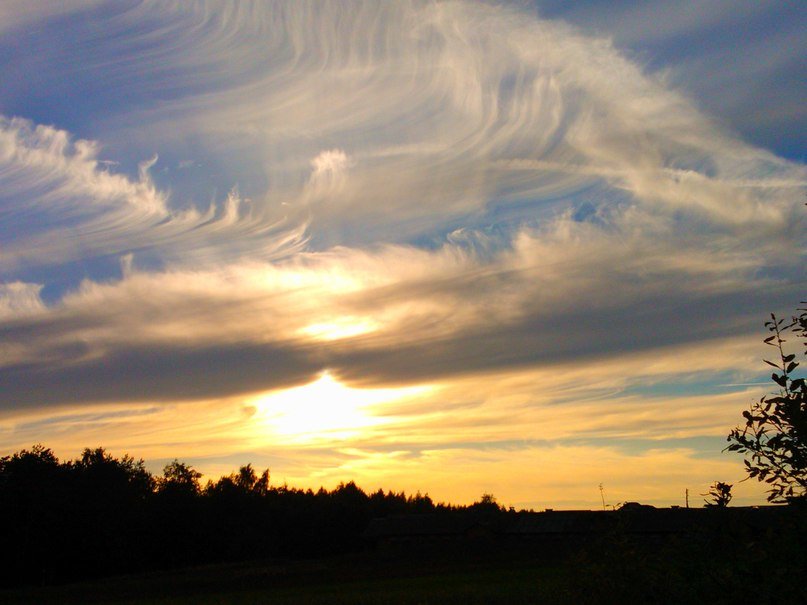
pixel 363 579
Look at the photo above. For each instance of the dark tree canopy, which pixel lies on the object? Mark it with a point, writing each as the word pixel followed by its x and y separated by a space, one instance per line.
pixel 100 469
pixel 179 479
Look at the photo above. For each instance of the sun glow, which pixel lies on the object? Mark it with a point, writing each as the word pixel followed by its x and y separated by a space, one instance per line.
pixel 339 328
pixel 326 409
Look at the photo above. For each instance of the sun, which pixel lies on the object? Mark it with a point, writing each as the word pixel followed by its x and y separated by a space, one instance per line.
pixel 326 409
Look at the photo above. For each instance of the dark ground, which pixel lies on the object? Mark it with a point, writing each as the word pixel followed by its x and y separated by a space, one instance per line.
pixel 614 570
pixel 367 578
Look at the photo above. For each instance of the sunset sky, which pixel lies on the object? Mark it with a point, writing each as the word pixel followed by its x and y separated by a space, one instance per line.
pixel 456 247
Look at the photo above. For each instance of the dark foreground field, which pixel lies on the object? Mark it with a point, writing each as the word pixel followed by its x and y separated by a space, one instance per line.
pixel 616 569
pixel 359 579
pixel 641 555
pixel 613 571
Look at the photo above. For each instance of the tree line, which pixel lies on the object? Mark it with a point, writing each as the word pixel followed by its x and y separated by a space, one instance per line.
pixel 100 515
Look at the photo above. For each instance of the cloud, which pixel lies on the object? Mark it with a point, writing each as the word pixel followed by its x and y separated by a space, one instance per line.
pixel 328 176
pixel 453 194
pixel 438 99
pixel 60 204
pixel 434 101
pixel 396 315
pixel 329 166
pixel 727 55
pixel 18 299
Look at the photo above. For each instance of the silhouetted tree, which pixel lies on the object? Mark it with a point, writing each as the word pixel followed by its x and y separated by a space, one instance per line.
pixel 179 478
pixel 420 503
pixel 244 482
pixel 32 505
pixel 103 472
pixel 774 438
pixel 487 503
pixel 34 466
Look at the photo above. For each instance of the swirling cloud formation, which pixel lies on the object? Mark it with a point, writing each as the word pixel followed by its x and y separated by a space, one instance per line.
pixel 207 200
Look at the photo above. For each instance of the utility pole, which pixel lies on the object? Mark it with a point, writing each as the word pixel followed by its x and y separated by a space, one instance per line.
pixel 602 496
pixel 687 496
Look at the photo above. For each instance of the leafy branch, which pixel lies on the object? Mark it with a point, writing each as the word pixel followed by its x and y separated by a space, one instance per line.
pixel 774 438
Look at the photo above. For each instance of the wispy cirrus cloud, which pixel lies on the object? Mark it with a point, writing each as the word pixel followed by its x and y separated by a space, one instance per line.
pixel 738 59
pixel 59 203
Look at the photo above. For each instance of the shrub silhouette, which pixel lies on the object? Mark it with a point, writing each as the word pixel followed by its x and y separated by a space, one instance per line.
pixel 719 494
pixel 774 438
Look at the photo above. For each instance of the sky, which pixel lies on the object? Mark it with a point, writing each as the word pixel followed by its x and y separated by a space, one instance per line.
pixel 519 248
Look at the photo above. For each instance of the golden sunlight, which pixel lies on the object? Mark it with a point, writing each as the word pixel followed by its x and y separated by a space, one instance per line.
pixel 326 409
pixel 340 328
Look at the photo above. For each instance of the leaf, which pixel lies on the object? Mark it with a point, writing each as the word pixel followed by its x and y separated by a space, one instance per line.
pixel 793 365
pixel 788 358
pixel 770 363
